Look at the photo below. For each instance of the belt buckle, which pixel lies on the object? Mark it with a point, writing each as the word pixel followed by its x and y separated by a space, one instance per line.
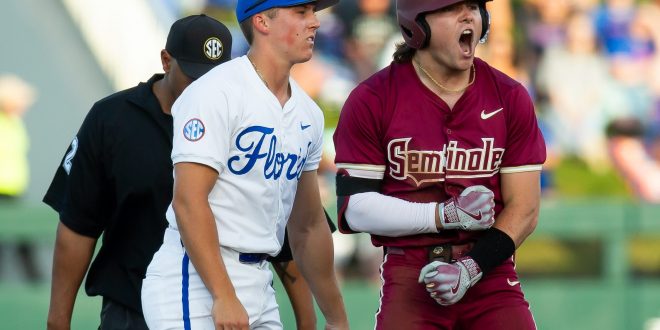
pixel 440 252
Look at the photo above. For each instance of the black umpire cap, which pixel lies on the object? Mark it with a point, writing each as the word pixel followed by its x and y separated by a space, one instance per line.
pixel 198 43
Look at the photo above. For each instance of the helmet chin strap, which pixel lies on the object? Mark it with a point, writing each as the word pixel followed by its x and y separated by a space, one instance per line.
pixel 483 40
pixel 485 21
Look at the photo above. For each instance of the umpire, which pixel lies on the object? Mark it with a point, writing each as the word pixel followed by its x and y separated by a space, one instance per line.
pixel 116 179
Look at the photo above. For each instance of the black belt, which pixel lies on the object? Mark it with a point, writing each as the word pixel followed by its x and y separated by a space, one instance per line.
pixel 446 252
pixel 252 258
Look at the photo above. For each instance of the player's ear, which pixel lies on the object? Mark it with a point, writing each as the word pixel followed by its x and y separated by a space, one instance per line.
pixel 260 23
pixel 165 60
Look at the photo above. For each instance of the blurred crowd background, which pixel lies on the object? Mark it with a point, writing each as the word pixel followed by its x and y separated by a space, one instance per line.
pixel 592 68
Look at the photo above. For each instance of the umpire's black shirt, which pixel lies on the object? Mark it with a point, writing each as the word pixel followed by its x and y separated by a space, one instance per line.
pixel 116 178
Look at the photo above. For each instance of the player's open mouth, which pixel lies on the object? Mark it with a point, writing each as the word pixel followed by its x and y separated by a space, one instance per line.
pixel 466 41
pixel 310 40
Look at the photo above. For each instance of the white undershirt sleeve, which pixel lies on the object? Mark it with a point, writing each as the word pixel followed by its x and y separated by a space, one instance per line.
pixel 378 214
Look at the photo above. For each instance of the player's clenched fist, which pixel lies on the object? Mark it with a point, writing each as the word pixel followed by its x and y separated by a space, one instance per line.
pixel 447 283
pixel 229 314
pixel 473 209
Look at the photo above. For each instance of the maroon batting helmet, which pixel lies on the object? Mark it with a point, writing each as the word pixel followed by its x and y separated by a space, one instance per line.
pixel 415 30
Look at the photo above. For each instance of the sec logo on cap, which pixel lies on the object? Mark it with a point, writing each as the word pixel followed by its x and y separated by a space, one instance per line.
pixel 213 48
pixel 193 130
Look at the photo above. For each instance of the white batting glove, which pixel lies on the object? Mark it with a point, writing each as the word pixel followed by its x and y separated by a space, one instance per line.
pixel 447 283
pixel 474 209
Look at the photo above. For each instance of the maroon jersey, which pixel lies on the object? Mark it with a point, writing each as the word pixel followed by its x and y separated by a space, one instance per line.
pixel 395 128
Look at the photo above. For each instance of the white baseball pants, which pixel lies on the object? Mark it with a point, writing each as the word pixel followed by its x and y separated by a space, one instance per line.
pixel 174 296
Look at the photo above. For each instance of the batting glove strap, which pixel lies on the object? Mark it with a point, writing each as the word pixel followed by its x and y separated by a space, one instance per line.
pixel 472 268
pixel 449 215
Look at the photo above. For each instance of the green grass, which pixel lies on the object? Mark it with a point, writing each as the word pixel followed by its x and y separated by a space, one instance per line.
pixel 605 306
pixel 25 307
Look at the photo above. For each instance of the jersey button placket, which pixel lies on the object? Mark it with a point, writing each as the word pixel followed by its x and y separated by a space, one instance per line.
pixel 280 185
pixel 448 121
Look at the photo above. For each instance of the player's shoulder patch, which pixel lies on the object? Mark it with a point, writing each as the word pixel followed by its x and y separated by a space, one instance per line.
pixel 194 130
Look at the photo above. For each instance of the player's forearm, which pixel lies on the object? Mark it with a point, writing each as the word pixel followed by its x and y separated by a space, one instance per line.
pixel 518 221
pixel 378 214
pixel 521 195
pixel 199 236
pixel 313 252
pixel 72 255
pixel 299 294
pixel 513 225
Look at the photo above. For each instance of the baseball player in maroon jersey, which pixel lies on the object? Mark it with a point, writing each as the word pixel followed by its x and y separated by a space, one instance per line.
pixel 439 159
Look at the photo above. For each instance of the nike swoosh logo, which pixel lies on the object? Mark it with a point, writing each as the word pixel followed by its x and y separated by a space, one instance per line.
pixel 485 115
pixel 304 127
pixel 455 288
pixel 512 283
pixel 472 215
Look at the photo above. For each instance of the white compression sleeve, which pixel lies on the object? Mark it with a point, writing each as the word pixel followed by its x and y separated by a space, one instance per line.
pixel 378 214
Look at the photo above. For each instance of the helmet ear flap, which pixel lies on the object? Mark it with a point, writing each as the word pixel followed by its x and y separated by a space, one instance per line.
pixel 426 30
pixel 485 22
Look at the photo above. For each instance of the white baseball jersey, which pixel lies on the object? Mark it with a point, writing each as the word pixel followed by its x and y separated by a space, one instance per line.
pixel 229 120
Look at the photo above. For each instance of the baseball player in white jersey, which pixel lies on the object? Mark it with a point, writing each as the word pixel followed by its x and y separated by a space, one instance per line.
pixel 247 143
